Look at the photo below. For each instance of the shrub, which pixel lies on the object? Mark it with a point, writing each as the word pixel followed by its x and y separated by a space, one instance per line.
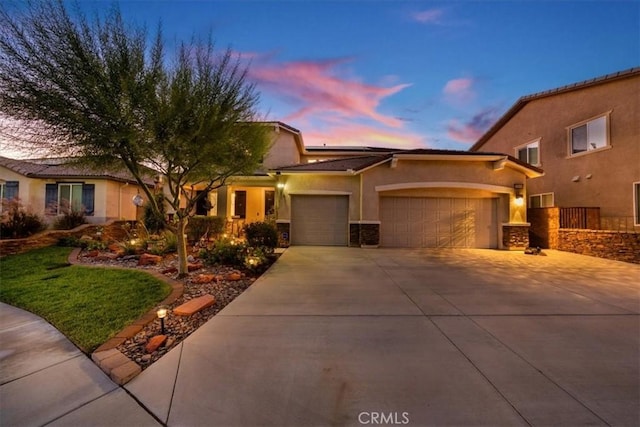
pixel 71 242
pixel 153 221
pixel 226 252
pixel 204 226
pixel 70 218
pixel 262 235
pixel 17 222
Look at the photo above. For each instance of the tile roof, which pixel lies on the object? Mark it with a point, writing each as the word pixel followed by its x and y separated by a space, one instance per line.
pixel 61 168
pixel 336 165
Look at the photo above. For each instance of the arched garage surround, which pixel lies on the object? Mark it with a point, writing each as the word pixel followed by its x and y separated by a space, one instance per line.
pixel 443 214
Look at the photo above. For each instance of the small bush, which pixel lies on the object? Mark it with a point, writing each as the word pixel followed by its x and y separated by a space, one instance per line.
pixel 262 235
pixel 226 252
pixel 153 221
pixel 71 242
pixel 70 218
pixel 17 222
pixel 204 226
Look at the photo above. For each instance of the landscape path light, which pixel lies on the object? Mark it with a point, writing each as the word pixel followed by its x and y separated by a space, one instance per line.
pixel 162 313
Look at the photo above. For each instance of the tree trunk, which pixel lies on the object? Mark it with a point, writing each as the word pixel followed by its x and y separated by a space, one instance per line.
pixel 183 269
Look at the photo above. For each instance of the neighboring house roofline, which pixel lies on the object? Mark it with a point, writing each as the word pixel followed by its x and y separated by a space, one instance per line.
pixel 521 102
pixel 59 170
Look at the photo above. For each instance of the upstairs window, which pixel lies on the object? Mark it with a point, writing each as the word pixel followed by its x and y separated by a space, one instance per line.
pixel 544 200
pixel 589 135
pixel 529 153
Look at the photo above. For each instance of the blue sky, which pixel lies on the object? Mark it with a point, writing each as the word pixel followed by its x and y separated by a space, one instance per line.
pixel 403 73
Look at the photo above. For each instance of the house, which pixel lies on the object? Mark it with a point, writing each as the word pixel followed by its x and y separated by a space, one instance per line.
pixel 369 196
pixel 45 185
pixel 586 137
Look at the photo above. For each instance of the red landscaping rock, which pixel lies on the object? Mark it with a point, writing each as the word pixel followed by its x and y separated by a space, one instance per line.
pixel 194 266
pixel 114 247
pixel 233 276
pixel 203 278
pixel 194 305
pixel 106 256
pixel 155 343
pixel 92 254
pixel 169 270
pixel 148 259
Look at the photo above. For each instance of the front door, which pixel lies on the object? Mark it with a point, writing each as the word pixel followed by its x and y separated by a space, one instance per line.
pixel 240 206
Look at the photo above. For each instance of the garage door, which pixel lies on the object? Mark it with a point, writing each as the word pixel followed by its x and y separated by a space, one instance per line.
pixel 319 220
pixel 423 222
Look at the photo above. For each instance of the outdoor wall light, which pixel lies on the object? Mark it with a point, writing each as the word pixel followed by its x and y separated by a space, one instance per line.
pixel 161 313
pixel 519 198
pixel 280 186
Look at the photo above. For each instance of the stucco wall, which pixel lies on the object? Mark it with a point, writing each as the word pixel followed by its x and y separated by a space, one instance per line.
pixel 319 184
pixel 612 170
pixel 283 151
pixel 480 177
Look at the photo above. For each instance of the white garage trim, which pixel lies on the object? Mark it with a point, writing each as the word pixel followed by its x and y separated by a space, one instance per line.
pixel 444 184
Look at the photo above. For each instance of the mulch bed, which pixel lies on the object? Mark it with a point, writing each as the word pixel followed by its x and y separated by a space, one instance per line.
pixel 177 328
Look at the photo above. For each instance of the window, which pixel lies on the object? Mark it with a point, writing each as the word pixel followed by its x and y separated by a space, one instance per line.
pixel 77 196
pixel 544 200
pixel 529 153
pixel 636 203
pixel 589 136
pixel 8 191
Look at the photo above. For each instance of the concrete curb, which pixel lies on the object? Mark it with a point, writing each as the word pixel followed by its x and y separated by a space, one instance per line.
pixel 119 367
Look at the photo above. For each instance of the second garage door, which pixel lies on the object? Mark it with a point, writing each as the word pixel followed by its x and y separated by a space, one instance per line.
pixel 319 220
pixel 425 222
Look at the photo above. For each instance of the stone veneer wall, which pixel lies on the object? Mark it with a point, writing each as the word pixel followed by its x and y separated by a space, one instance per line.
pixel 515 236
pixel 364 234
pixel 616 245
pixel 110 231
pixel 545 223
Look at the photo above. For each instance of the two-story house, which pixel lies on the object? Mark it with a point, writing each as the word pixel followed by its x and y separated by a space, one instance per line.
pixel 586 137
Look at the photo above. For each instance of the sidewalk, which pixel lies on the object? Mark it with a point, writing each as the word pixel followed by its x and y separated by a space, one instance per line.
pixel 46 380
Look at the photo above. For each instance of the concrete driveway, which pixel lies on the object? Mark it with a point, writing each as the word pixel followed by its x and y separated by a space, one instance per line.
pixel 341 336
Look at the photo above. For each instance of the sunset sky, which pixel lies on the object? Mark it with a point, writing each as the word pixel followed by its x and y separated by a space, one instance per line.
pixel 403 73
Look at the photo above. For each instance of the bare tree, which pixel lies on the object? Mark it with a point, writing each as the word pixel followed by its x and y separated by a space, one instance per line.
pixel 99 91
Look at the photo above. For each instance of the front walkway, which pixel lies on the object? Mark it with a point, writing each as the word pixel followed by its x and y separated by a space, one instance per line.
pixel 46 380
pixel 340 336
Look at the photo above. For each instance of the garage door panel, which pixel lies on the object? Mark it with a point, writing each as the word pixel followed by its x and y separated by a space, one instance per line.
pixel 438 222
pixel 319 220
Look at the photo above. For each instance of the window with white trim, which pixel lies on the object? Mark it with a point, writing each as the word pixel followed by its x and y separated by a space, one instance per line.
pixel 589 135
pixel 636 203
pixel 8 191
pixel 529 153
pixel 544 200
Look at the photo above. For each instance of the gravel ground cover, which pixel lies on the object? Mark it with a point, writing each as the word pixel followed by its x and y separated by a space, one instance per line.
pixel 226 285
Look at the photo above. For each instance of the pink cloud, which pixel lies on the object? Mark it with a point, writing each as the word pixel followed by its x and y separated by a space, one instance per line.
pixel 459 90
pixel 355 134
pixel 315 88
pixel 429 16
pixel 473 129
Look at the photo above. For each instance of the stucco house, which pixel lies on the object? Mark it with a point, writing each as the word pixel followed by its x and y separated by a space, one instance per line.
pixel 369 196
pixel 586 137
pixel 43 186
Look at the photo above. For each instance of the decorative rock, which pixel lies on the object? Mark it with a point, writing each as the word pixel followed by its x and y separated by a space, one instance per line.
pixel 129 257
pixel 86 238
pixel 233 276
pixel 197 266
pixel 106 256
pixel 204 278
pixel 169 270
pixel 191 259
pixel 154 343
pixel 92 254
pixel 148 259
pixel 114 247
pixel 194 305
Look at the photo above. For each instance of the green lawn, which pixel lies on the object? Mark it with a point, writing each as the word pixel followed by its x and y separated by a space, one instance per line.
pixel 88 305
